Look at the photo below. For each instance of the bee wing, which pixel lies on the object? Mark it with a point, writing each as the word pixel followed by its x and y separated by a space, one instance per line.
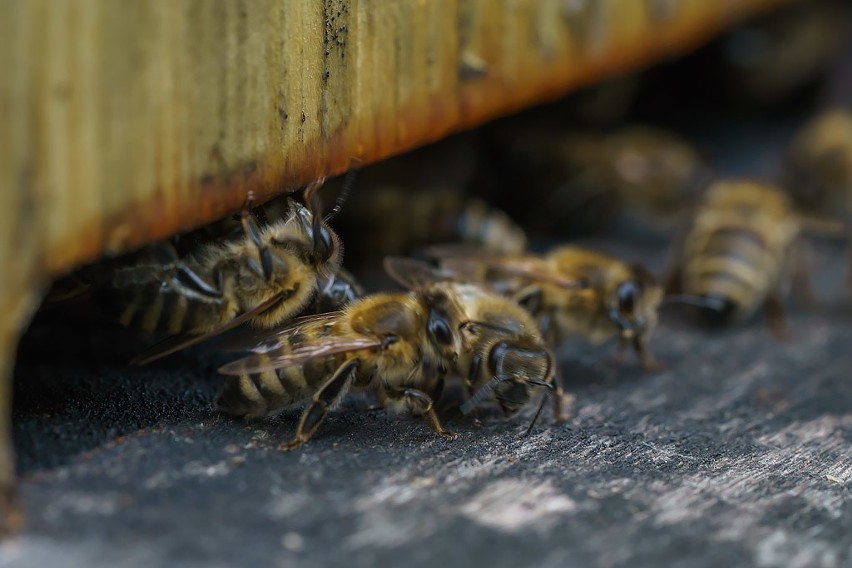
pixel 536 272
pixel 263 340
pixel 260 362
pixel 411 273
pixel 179 342
pixel 471 263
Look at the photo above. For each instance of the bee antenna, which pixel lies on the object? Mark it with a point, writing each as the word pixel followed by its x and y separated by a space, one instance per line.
pixel 714 304
pixel 537 412
pixel 348 183
pixel 480 395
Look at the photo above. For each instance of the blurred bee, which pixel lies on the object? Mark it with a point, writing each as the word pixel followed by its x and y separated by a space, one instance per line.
pixel 504 354
pixel 818 168
pixel 737 251
pixel 770 59
pixel 572 292
pixel 264 277
pixel 396 220
pixel 399 346
pixel 582 181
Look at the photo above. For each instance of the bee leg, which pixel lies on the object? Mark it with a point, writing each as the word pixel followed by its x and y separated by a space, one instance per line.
pixel 420 403
pixel 559 414
pixel 646 358
pixel 177 274
pixel 324 400
pixel 776 319
pixel 252 231
pixel 620 349
pixel 529 298
pixel 472 377
pixel 802 290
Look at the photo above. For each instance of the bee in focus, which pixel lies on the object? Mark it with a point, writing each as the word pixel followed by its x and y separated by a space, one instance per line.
pixel 737 252
pixel 263 276
pixel 503 353
pixel 581 182
pixel 399 346
pixel 571 292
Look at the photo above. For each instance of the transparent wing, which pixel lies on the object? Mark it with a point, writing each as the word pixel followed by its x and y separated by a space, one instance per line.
pixel 179 342
pixel 260 362
pixel 264 340
pixel 411 273
pixel 470 263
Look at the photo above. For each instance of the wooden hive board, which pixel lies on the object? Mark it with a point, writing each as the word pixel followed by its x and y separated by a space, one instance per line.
pixel 125 122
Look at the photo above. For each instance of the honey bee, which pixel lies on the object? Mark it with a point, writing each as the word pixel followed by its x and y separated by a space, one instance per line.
pixel 571 292
pixel 504 354
pixel 396 345
pixel 264 278
pixel 395 220
pixel 737 251
pixel 582 181
pixel 818 168
pixel 400 346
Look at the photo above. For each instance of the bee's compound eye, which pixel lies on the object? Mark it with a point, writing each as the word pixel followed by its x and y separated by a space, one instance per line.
pixel 440 331
pixel 497 355
pixel 628 292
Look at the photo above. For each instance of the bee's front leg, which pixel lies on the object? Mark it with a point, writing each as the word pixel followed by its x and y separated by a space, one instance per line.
pixel 419 403
pixel 646 358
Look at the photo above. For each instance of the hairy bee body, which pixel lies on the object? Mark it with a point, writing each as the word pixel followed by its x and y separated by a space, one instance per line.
pixel 375 225
pixel 581 181
pixel 503 342
pixel 572 292
pixel 377 316
pixel 738 247
pixel 585 311
pixel 219 280
pixel 397 346
pixel 819 166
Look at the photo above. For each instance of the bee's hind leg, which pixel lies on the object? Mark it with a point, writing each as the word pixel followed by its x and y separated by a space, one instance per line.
pixel 646 358
pixel 179 275
pixel 324 400
pixel 776 317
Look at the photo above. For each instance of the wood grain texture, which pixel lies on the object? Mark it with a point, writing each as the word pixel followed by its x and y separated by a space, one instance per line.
pixel 127 122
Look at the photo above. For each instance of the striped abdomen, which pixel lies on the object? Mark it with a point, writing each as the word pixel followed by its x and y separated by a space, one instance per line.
pixel 733 266
pixel 261 394
pixel 136 298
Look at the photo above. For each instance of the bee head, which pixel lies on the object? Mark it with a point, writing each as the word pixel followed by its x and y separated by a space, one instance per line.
pixel 516 372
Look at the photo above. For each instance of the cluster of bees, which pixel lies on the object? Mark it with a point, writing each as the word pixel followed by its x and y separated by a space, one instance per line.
pixel 482 310
pixel 478 306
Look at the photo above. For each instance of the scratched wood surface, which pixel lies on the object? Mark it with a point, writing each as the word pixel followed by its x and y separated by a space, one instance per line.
pixel 124 122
